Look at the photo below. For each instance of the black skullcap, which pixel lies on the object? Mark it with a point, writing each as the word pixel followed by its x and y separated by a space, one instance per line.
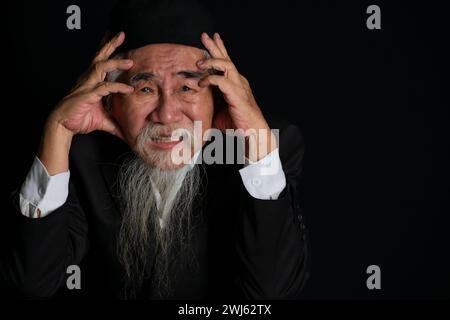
pixel 160 21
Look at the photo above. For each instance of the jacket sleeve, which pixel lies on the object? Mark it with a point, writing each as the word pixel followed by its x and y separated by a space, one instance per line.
pixel 270 235
pixel 40 250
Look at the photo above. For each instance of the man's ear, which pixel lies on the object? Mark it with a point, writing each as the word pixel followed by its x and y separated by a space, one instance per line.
pixel 107 103
pixel 221 117
pixel 218 100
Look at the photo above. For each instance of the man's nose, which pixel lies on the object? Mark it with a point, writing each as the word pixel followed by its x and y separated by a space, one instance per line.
pixel 168 110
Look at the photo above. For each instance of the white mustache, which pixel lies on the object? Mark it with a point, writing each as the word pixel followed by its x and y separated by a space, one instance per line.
pixel 163 133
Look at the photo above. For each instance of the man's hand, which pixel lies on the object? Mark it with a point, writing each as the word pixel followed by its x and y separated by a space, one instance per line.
pixel 82 110
pixel 242 111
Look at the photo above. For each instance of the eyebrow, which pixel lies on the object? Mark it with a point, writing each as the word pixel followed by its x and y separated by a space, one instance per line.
pixel 189 74
pixel 145 76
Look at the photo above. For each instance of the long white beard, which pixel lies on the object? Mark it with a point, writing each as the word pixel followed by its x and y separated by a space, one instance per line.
pixel 165 211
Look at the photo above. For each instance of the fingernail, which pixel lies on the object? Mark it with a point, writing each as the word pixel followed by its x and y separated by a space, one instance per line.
pixel 200 62
pixel 128 61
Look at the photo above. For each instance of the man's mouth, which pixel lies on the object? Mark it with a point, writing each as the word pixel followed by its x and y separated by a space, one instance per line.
pixel 164 139
pixel 165 142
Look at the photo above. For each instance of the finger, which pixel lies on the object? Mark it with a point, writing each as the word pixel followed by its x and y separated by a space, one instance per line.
pixel 114 64
pixel 211 46
pixel 220 45
pixel 101 68
pixel 110 125
pixel 113 44
pixel 224 84
pixel 226 66
pixel 109 47
pixel 106 88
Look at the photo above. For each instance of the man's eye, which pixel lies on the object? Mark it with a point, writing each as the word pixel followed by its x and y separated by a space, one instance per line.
pixel 147 90
pixel 185 89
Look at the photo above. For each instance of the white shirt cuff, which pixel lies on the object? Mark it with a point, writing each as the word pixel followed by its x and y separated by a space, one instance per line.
pixel 264 179
pixel 41 193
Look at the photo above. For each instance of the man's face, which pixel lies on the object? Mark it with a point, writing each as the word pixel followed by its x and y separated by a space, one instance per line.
pixel 166 97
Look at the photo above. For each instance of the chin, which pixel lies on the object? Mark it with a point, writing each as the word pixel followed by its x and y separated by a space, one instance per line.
pixel 160 156
pixel 159 159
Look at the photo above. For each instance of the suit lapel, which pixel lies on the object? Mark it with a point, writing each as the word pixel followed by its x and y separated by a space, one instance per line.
pixel 110 172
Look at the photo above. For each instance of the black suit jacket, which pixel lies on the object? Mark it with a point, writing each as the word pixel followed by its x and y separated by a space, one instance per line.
pixel 244 247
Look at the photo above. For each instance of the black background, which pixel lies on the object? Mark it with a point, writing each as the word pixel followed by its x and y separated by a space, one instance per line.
pixel 369 103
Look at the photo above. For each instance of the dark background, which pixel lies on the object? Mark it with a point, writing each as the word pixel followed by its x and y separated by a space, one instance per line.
pixel 369 103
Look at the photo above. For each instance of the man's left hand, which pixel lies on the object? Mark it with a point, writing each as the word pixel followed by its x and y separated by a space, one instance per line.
pixel 242 111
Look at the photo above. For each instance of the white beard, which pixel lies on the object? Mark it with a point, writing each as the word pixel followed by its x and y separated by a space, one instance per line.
pixel 159 201
pixel 163 158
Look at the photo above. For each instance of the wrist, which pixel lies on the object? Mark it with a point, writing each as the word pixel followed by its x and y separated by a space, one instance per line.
pixel 259 144
pixel 55 147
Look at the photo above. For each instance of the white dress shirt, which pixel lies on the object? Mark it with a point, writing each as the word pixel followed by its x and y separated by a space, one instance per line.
pixel 41 194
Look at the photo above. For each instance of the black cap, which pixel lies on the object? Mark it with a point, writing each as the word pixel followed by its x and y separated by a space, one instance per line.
pixel 160 21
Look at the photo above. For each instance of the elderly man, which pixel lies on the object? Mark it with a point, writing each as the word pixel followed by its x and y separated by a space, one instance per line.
pixel 119 205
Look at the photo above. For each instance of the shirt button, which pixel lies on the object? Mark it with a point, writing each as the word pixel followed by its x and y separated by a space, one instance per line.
pixel 256 182
pixel 41 191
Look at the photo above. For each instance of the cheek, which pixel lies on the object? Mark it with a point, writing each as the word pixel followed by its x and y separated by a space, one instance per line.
pixel 202 110
pixel 130 116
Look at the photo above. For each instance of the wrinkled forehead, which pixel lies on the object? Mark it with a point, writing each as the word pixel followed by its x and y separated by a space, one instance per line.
pixel 164 59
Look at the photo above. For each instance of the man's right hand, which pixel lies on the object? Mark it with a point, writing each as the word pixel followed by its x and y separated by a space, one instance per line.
pixel 82 110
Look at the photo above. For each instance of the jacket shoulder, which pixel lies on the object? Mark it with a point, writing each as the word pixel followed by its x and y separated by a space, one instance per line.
pixel 97 147
pixel 291 149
